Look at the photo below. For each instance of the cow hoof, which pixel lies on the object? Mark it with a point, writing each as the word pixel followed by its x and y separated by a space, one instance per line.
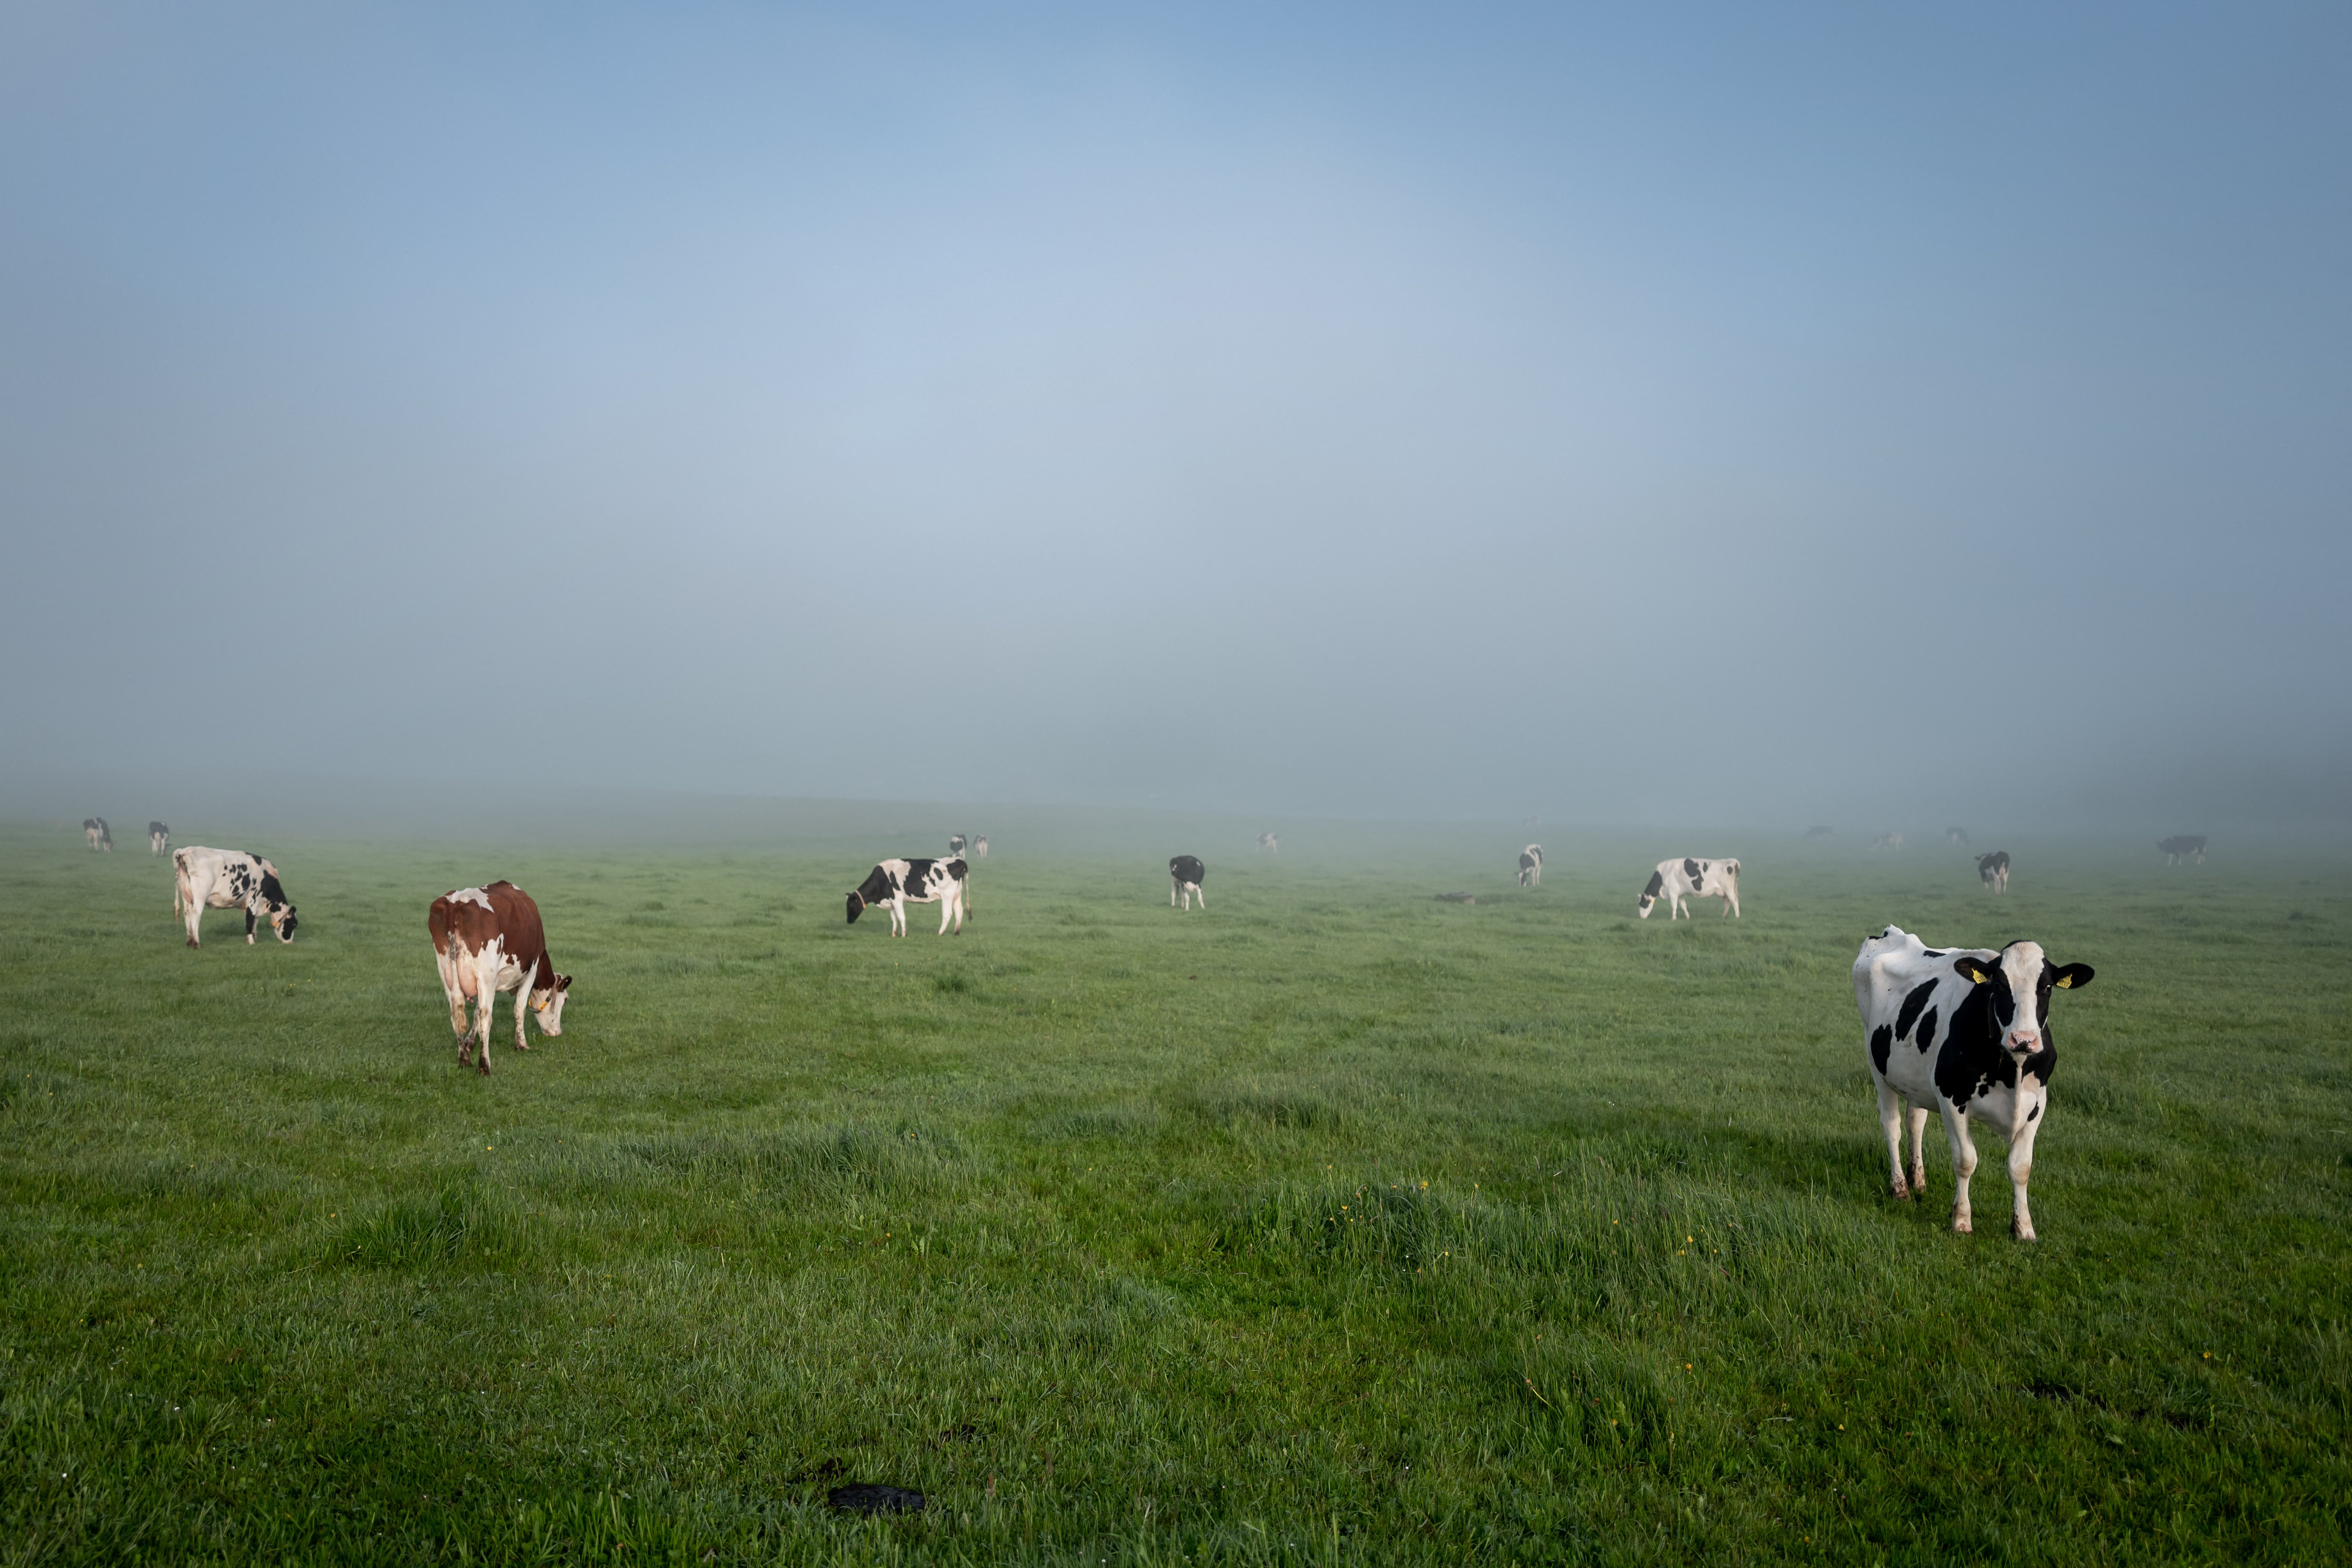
pixel 1962 1226
pixel 1900 1192
pixel 2022 1232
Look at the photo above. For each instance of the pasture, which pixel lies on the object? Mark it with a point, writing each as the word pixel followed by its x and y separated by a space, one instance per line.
pixel 1332 1224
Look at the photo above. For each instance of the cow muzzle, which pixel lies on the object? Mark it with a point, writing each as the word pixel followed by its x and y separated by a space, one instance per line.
pixel 2024 1043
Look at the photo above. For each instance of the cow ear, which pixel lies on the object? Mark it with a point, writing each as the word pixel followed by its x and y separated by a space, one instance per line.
pixel 2073 976
pixel 1971 969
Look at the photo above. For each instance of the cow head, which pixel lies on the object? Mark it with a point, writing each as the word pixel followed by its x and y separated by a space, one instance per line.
pixel 856 905
pixel 2021 977
pixel 1649 894
pixel 547 1001
pixel 281 911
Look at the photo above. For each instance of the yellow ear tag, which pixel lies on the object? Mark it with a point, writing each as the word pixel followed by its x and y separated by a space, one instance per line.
pixel 2066 983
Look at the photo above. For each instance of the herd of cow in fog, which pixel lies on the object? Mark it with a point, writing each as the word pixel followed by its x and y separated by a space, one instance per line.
pixel 1965 1031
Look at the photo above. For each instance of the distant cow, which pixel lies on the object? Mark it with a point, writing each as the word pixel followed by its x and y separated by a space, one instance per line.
pixel 1184 874
pixel 1819 830
pixel 1676 880
pixel 957 844
pixel 485 940
pixel 206 878
pixel 1994 870
pixel 95 832
pixel 1991 1063
pixel 2190 844
pixel 159 838
pixel 1956 836
pixel 898 883
pixel 1531 866
pixel 1267 843
pixel 1887 841
pixel 980 848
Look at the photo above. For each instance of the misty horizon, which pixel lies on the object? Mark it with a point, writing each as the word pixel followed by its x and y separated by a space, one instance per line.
pixel 1689 417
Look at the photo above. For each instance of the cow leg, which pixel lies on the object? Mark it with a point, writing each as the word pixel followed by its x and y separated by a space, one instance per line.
pixel 1890 1122
pixel 2020 1171
pixel 185 899
pixel 899 917
pixel 455 990
pixel 1173 888
pixel 1919 1118
pixel 521 1011
pixel 1964 1164
pixel 487 965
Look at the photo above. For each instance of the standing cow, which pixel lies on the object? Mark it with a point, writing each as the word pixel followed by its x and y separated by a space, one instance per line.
pixel 1531 866
pixel 1267 843
pixel 485 940
pixel 980 848
pixel 159 838
pixel 2183 845
pixel 95 833
pixel 1957 838
pixel 1677 881
pixel 206 878
pixel 1991 1063
pixel 956 845
pixel 1993 870
pixel 898 883
pixel 1184 876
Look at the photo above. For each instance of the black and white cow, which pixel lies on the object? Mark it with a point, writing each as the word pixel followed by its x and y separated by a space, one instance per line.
pixel 1676 880
pixel 2183 845
pixel 1185 875
pixel 1267 843
pixel 224 880
pixel 159 838
pixel 1887 841
pixel 898 883
pixel 95 832
pixel 956 845
pixel 1993 870
pixel 980 848
pixel 1967 1031
pixel 1531 866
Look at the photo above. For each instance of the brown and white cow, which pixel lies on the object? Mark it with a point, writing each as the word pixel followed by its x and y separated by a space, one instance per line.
pixel 485 940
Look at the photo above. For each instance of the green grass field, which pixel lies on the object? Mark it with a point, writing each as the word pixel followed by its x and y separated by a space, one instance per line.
pixel 1334 1224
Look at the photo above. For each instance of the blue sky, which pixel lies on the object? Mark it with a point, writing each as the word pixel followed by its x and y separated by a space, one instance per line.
pixel 1692 413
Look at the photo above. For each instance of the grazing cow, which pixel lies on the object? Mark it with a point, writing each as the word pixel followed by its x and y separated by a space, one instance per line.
pixel 485 940
pixel 1957 838
pixel 224 878
pixel 980 848
pixel 1184 874
pixel 957 844
pixel 1887 841
pixel 2182 845
pixel 899 883
pixel 1531 866
pixel 1676 880
pixel 1819 830
pixel 95 832
pixel 1267 843
pixel 1991 1062
pixel 1993 870
pixel 159 838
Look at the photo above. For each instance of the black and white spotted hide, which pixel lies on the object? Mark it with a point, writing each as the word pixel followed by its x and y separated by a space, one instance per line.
pixel 97 833
pixel 957 844
pixel 2182 847
pixel 206 878
pixel 1677 882
pixel 1966 1031
pixel 1993 870
pixel 159 838
pixel 1185 875
pixel 895 884
pixel 1531 866
pixel 1267 843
